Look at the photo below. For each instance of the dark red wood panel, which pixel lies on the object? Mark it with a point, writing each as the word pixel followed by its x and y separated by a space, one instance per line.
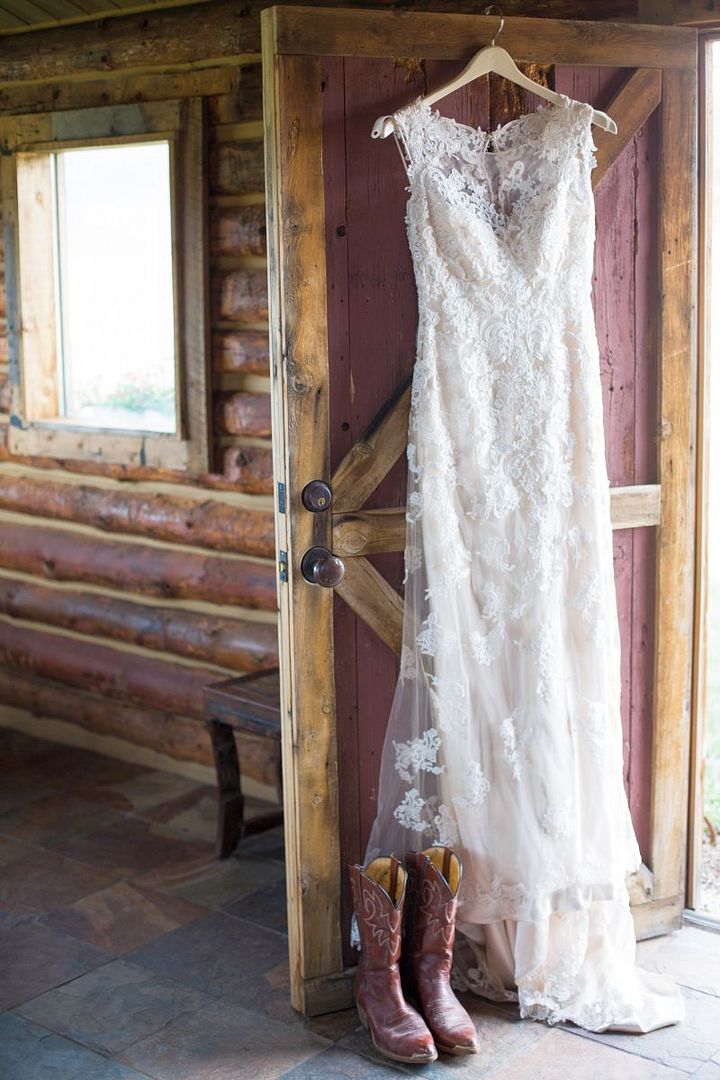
pixel 373 321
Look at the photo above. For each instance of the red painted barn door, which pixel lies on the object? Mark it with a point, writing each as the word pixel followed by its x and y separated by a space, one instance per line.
pixel 359 402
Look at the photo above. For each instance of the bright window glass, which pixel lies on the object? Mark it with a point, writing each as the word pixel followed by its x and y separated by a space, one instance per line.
pixel 116 324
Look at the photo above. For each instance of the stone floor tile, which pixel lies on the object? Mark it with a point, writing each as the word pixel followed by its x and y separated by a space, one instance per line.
pixel 223 1042
pixel 270 843
pixel 28 1052
pixel 561 1056
pixel 133 847
pixel 15 792
pixel 42 881
pixel 226 958
pixel 34 959
pixel 692 957
pixel 334 1025
pixel 123 917
pixel 193 813
pixel 266 907
pixel 12 850
pixel 338 1064
pixel 113 1007
pixel 53 818
pixel 71 768
pixel 684 1046
pixel 144 790
pixel 215 883
pixel 501 1034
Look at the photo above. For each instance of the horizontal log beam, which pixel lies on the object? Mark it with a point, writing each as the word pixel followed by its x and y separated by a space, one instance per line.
pixel 236 168
pixel 208 523
pixel 242 102
pixel 178 737
pixel 249 469
pixel 442 36
pixel 241 295
pixel 372 532
pixel 157 684
pixel 244 352
pixel 243 414
pixel 238 231
pixel 62 555
pixel 630 108
pixel 236 644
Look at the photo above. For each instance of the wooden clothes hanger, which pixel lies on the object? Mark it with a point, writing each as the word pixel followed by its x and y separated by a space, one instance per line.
pixel 498 60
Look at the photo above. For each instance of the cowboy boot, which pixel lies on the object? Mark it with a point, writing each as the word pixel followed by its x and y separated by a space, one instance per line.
pixel 396 1030
pixel 428 948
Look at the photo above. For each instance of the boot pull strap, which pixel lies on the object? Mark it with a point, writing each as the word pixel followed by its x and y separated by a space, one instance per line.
pixel 394 865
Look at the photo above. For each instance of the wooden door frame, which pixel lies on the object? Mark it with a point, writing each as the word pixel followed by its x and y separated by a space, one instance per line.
pixel 295 40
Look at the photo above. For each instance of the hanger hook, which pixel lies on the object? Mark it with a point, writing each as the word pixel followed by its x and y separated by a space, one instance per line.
pixel 489 11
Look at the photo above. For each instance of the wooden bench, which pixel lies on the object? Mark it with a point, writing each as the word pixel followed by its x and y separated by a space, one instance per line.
pixel 249 703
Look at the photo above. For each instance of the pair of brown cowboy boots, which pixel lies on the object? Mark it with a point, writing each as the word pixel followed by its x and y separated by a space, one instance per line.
pixel 424 890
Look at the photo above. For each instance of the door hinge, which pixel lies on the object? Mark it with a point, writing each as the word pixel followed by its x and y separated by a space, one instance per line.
pixel 281 498
pixel 283 566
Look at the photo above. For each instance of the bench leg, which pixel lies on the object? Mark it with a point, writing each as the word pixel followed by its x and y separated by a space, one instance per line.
pixel 230 797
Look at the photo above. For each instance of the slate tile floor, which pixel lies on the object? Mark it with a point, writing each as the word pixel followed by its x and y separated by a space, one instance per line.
pixel 127 952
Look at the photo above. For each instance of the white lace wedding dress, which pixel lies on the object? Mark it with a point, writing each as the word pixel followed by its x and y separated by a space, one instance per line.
pixel 504 739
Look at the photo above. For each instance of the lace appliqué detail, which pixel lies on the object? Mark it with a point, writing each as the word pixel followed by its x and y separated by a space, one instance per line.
pixel 418 755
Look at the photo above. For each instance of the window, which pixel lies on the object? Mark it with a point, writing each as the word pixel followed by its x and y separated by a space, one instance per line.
pixel 108 320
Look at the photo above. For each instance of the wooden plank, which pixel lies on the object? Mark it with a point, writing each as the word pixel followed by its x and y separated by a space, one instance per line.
pixel 208 523
pixel 369 532
pixel 121 88
pixel 441 36
pixel 63 555
pixel 369 460
pixel 236 644
pixel 630 108
pixel 366 591
pixel 191 237
pixel 36 276
pixel 676 454
pixel 238 231
pixel 296 234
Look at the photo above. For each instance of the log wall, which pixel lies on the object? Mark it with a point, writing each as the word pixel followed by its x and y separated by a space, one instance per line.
pixel 125 590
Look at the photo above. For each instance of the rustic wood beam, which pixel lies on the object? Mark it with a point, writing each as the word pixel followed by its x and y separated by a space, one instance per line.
pixel 178 736
pixel 437 36
pixel 241 295
pixel 368 461
pixel 241 352
pixel 372 532
pixel 630 108
pixel 127 676
pixel 206 523
pixel 243 413
pixel 65 555
pixel 236 644
pixel 238 230
pixel 246 468
pixel 366 591
pixel 677 379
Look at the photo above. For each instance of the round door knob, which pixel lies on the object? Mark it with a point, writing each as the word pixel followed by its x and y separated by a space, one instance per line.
pixel 320 567
pixel 316 496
